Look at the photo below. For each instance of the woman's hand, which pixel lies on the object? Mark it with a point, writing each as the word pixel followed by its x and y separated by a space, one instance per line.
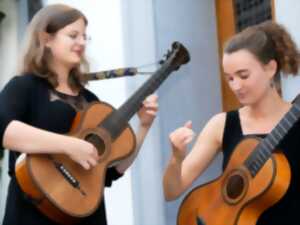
pixel 82 152
pixel 148 111
pixel 180 138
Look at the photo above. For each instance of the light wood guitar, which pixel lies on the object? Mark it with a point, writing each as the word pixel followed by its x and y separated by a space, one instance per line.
pixel 61 188
pixel 256 177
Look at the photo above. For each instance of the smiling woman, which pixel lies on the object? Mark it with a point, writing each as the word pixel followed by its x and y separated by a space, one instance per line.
pixel 39 106
pixel 251 61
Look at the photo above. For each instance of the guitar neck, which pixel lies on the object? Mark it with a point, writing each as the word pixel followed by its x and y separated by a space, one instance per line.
pixel 268 145
pixel 117 121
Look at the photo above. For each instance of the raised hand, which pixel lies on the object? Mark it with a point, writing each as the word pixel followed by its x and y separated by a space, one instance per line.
pixel 180 138
pixel 148 112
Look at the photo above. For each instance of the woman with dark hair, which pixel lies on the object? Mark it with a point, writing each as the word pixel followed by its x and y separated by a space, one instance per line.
pixel 38 107
pixel 252 61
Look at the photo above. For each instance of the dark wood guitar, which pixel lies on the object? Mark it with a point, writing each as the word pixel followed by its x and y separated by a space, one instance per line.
pixel 256 177
pixel 61 188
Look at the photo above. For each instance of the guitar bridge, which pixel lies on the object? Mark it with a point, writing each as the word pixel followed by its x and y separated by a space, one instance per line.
pixel 68 176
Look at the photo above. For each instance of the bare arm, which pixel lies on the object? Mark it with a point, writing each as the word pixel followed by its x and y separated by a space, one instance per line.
pixel 28 139
pixel 146 115
pixel 182 170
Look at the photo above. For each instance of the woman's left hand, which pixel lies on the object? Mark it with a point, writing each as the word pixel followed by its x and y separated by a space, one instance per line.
pixel 148 111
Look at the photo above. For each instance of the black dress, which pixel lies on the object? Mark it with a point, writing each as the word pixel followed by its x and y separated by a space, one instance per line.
pixel 284 212
pixel 32 100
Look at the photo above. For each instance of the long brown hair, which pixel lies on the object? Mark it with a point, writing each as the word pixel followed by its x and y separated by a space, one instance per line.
pixel 35 58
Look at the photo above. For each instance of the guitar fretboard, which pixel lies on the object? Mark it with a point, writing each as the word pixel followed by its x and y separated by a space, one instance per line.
pixel 268 145
pixel 118 120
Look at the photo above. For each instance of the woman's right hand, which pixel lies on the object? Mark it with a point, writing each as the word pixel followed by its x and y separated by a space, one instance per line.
pixel 82 152
pixel 180 138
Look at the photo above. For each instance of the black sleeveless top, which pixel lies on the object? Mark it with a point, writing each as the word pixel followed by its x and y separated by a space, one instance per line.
pixel 284 212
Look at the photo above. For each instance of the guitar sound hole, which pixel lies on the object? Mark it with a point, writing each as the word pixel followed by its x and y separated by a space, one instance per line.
pixel 235 186
pixel 97 142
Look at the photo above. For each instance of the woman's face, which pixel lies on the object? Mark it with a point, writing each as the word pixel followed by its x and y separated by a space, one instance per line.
pixel 68 44
pixel 247 77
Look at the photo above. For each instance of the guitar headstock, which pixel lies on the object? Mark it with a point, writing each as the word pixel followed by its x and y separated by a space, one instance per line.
pixel 177 56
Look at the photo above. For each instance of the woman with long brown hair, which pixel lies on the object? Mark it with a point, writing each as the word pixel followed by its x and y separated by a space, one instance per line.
pixel 37 108
pixel 252 61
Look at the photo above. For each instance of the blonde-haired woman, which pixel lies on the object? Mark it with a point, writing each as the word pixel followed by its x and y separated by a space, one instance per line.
pixel 39 106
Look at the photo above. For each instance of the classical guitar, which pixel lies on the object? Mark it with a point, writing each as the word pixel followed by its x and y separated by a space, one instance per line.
pixel 61 188
pixel 256 177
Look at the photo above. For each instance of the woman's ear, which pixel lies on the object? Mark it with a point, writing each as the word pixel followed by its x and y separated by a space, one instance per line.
pixel 271 68
pixel 44 39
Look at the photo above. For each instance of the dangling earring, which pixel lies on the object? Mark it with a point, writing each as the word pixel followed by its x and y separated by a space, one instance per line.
pixel 272 83
pixel 276 82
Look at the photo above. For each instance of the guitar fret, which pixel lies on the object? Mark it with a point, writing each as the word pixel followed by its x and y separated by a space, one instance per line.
pixel 282 127
pixel 249 164
pixel 287 121
pixel 293 115
pixel 265 153
pixel 256 167
pixel 274 139
pixel 278 133
pixel 269 143
pixel 253 166
pixel 264 147
pixel 291 118
pixel 259 159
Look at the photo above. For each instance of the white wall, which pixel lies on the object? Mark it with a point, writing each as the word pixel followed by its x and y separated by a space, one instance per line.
pixel 194 92
pixel 287 13
pixel 8 40
pixel 140 48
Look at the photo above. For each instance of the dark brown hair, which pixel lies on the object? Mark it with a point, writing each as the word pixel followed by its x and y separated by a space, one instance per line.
pixel 50 19
pixel 268 41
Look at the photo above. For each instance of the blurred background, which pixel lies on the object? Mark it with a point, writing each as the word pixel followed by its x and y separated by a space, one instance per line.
pixel 135 33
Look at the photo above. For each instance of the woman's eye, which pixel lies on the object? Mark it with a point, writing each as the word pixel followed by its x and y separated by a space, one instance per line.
pixel 244 76
pixel 73 36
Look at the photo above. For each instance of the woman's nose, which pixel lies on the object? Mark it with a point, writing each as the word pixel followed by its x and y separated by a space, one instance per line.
pixel 236 84
pixel 82 40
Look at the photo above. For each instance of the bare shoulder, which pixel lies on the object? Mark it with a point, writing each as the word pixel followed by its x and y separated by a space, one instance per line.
pixel 215 127
pixel 217 121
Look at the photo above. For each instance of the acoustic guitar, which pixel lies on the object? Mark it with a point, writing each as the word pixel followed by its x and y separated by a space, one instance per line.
pixel 60 188
pixel 256 177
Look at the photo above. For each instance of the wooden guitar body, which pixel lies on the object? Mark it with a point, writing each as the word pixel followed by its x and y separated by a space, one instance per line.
pixel 50 188
pixel 236 197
